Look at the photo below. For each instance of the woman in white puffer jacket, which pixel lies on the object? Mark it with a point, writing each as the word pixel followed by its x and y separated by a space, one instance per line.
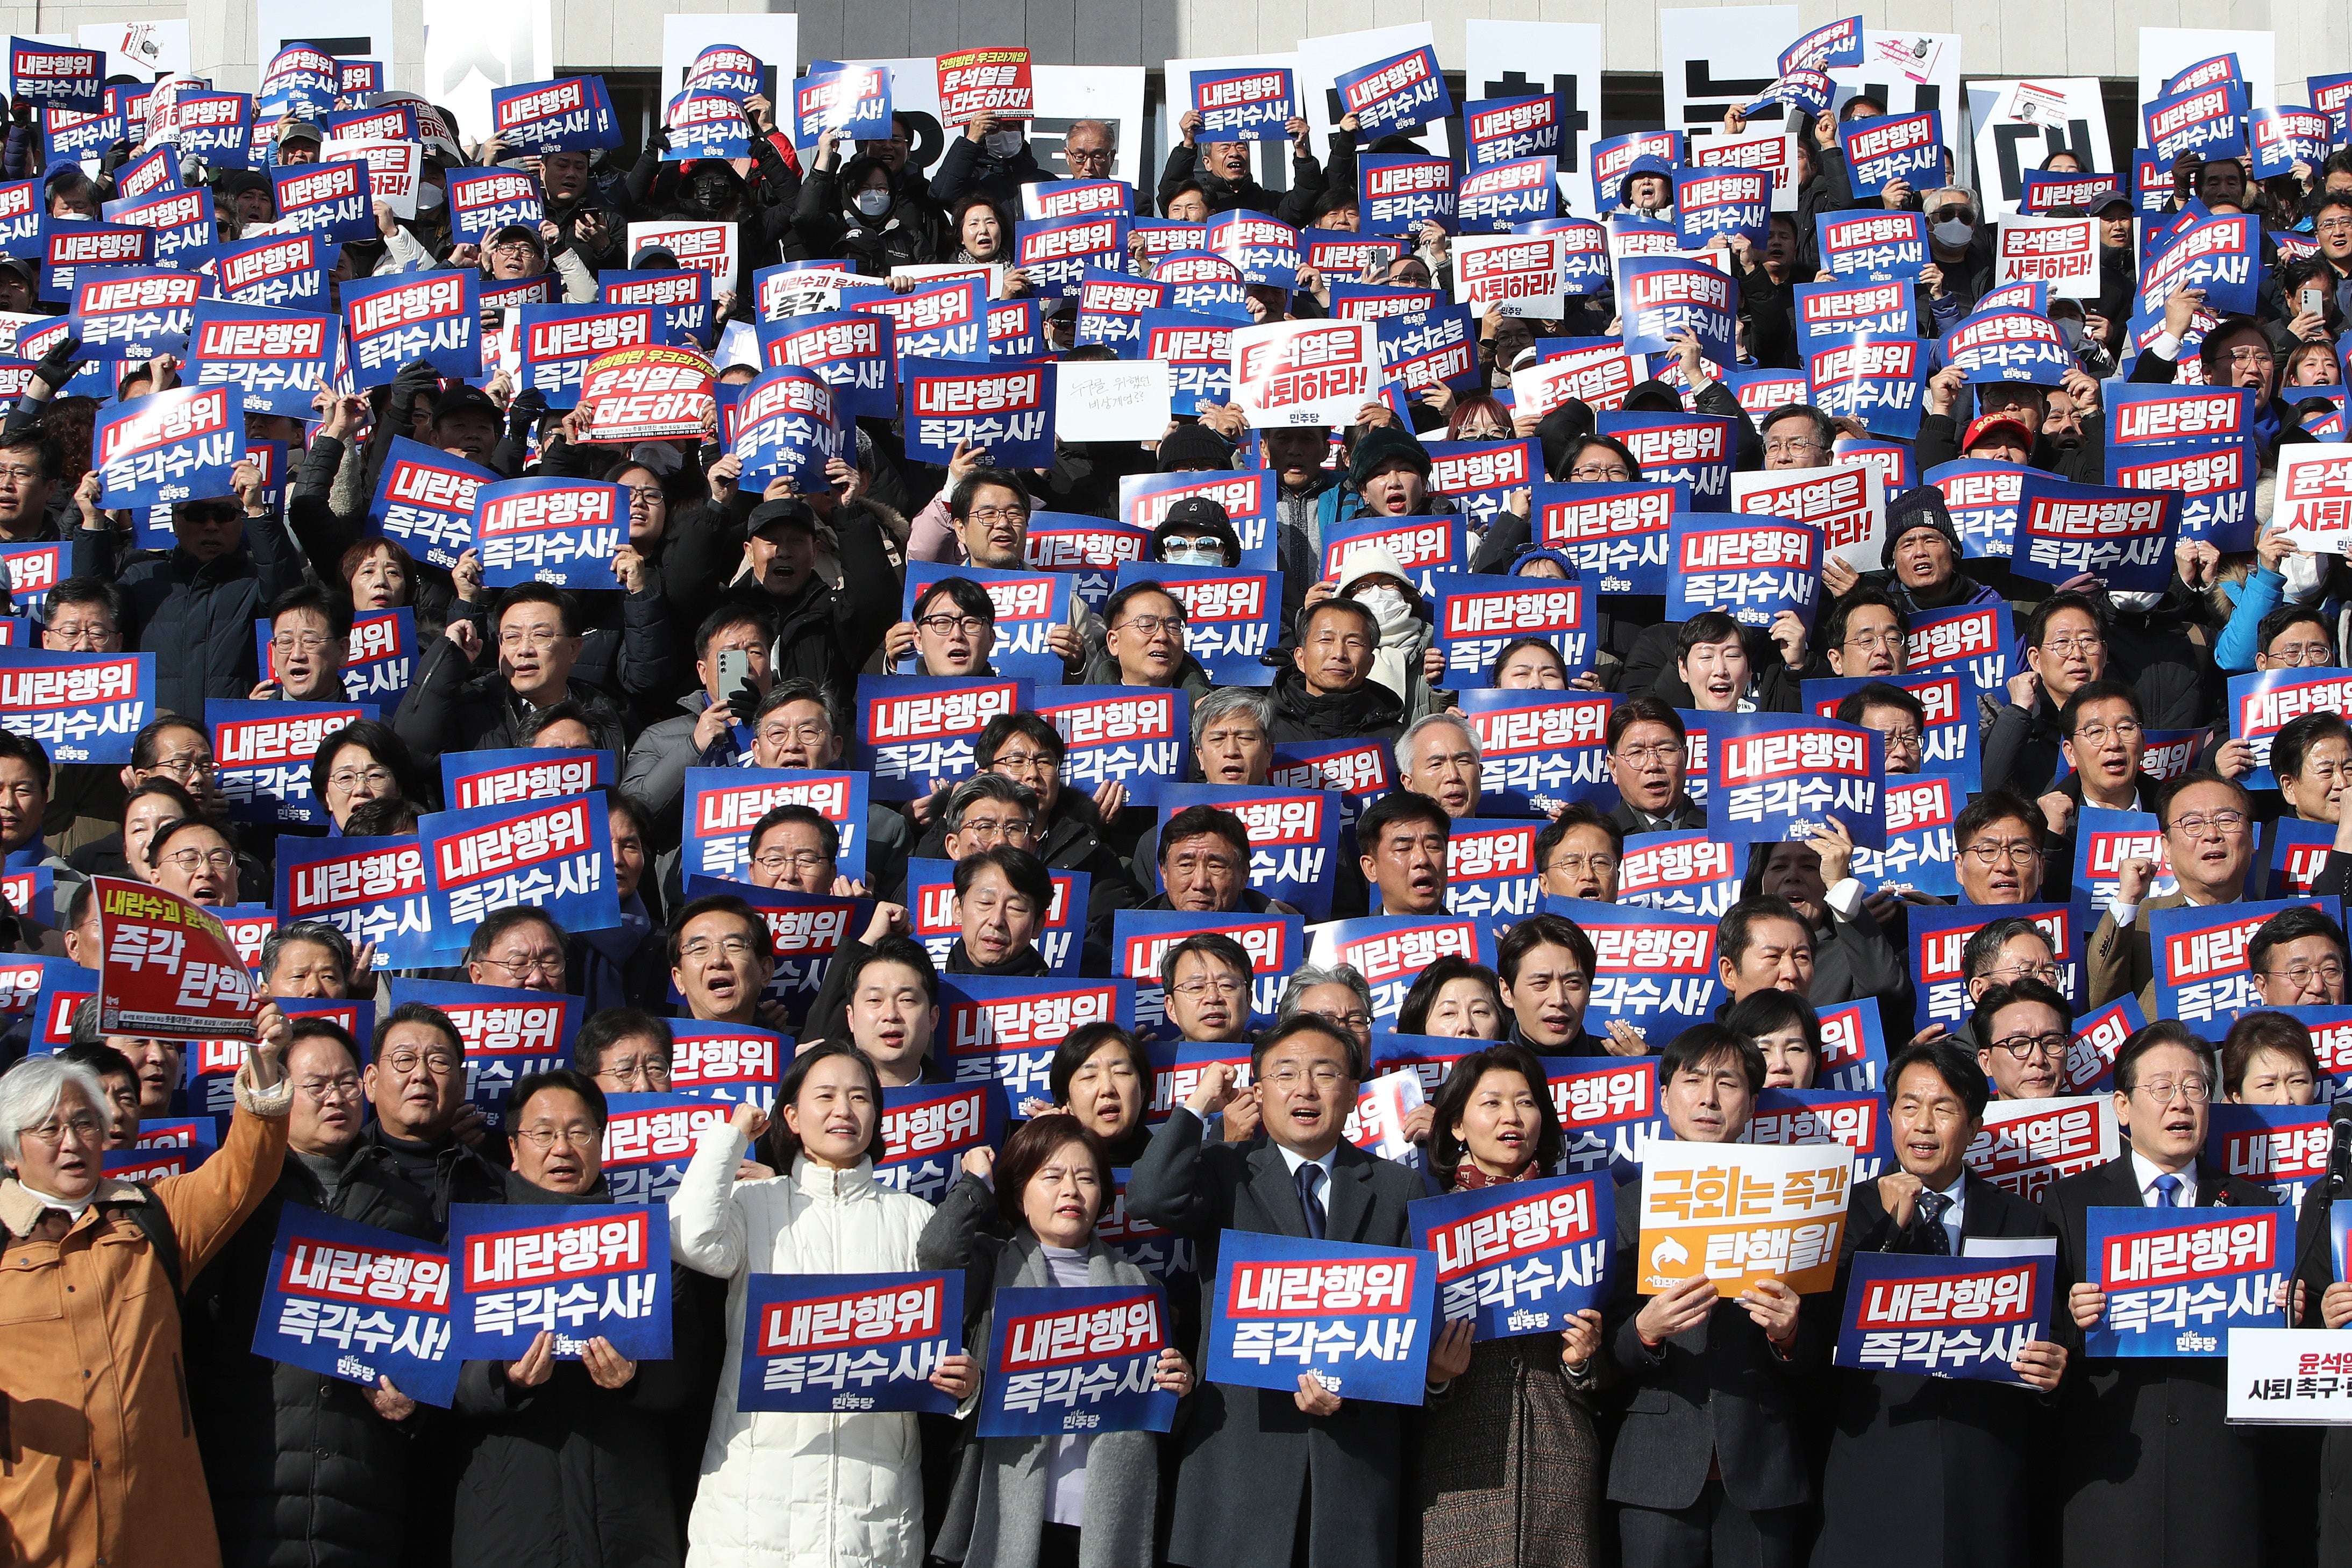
pixel 805 1490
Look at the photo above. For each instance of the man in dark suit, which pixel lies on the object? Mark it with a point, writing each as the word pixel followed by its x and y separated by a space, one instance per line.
pixel 2209 834
pixel 2150 1473
pixel 1268 1479
pixel 1709 1466
pixel 1938 1463
pixel 1649 757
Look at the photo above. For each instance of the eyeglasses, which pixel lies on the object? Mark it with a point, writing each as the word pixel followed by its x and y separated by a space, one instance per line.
pixel 2302 654
pixel 184 767
pixel 1947 213
pixel 78 1129
pixel 513 247
pixel 407 1061
pixel 352 778
pixel 2247 353
pixel 1910 740
pixel 2124 729
pixel 346 1086
pixel 948 626
pixel 1575 865
pixel 2016 853
pixel 632 1073
pixel 19 473
pixel 799 861
pixel 1656 751
pixel 1085 154
pixel 1354 1023
pixel 1024 763
pixel 1599 474
pixel 2328 972
pixel 2334 226
pixel 2196 1090
pixel 1322 1074
pixel 702 947
pixel 997 514
pixel 2084 645
pixel 194 860
pixel 571 1137
pixel 2024 1046
pixel 1222 984
pixel 1792 445
pixel 549 964
pixel 809 734
pixel 535 636
pixel 644 498
pixel 307 642
pixel 2223 822
pixel 1152 625
pixel 2048 974
pixel 70 633
pixel 986 829
pixel 1887 640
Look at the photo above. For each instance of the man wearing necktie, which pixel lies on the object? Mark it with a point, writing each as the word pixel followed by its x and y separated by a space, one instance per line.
pixel 1942 1464
pixel 2149 1471
pixel 1272 1479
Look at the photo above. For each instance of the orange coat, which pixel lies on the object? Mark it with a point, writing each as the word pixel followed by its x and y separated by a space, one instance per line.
pixel 98 1454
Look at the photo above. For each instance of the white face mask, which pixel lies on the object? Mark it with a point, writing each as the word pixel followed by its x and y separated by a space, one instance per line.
pixel 2070 329
pixel 1954 235
pixel 874 202
pixel 1002 144
pixel 428 197
pixel 1386 604
pixel 1187 554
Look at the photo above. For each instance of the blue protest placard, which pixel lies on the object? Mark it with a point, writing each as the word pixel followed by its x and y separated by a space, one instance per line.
pixel 723 803
pixel 943 320
pixel 1776 777
pixel 805 931
pixel 1006 1031
pixel 1076 1359
pixel 1943 1317
pixel 915 731
pixel 1525 125
pixel 554 855
pixel 1664 296
pixel 738 74
pixel 1067 198
pixel 1397 93
pixel 2057 193
pixel 1609 158
pixel 736 1063
pixel 1948 696
pixel 1689 449
pixel 181 222
pixel 1016 332
pixel 1485 478
pixel 1294 836
pixel 1539 750
pixel 1477 616
pixel 2176 1281
pixel 2264 703
pixel 705 125
pixel 1430 348
pixel 1244 103
pixel 384 123
pixel 1247 496
pixel 503 776
pixel 849 1342
pixel 1983 497
pixel 1826 47
pixel 2208 120
pixel 1391 950
pixel 1425 545
pixel 1750 567
pixel 2281 137
pixel 1721 201
pixel 1198 350
pixel 127 314
pixel 1394 191
pixel 2293 853
pixel 279 270
pixel 1854 1047
pixel 425 501
pixel 1263 250
pixel 370 889
pixel 33 569
pixel 1882 382
pixel 1358 771
pixel 2104 839
pixel 1111 308
pixel 410 316
pixel 681 301
pixel 1876 246
pixel 1056 252
pixel 557 343
pixel 355 1302
pixel 1490 871
pixel 853 352
pixel 1494 198
pixel 169 447
pixel 1006 410
pixel 2099 1034
pixel 2330 94
pixel 1653 969
pixel 1618 535
pixel 483 201
pixel 927 1130
pixel 787 426
pixel 2202 976
pixel 1359 1318
pixel 334 201
pixel 1683 873
pixel 1608 1110
pixel 508 1033
pixel 278 360
pixel 1277 944
pixel 563 532
pixel 56 76
pixel 1231 618
pixel 1520 1258
pixel 1920 811
pixel 2215 480
pixel 1905 147
pixel 2282 1149
pixel 301 81
pixel 2009 345
pixel 853 99
pixel 578 1271
pixel 264 750
pixel 1939 939
pixel 216 127
pixel 1203 284
pixel 649 1138
pixel 2221 256
pixel 2123 537
pixel 570 115
pixel 1137 736
pixel 1854 1120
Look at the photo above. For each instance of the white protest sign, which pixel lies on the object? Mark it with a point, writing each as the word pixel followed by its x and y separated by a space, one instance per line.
pixel 2312 499
pixel 2019 123
pixel 2062 252
pixel 1306 372
pixel 2290 1377
pixel 394 168
pixel 1321 62
pixel 1909 73
pixel 1846 501
pixel 1719 60
pixel 1381 1107
pixel 1770 151
pixel 1511 274
pixel 2166 52
pixel 473 46
pixel 1112 399
pixel 1511 59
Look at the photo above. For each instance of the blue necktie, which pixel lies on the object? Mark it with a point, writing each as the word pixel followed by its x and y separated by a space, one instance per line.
pixel 1310 1177
pixel 2169 1186
pixel 1931 1224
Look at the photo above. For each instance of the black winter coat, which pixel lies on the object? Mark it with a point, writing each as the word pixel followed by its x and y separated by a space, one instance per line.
pixel 450 709
pixel 197 617
pixel 1372 711
pixel 570 1475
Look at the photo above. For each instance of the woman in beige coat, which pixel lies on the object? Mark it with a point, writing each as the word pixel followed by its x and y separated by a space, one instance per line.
pixel 98 1453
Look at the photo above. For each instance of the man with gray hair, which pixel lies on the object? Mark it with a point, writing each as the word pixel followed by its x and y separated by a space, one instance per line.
pixel 1336 993
pixel 1438 756
pixel 1232 735
pixel 987 810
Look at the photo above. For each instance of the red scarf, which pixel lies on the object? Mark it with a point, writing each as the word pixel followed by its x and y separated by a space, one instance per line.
pixel 1468 1177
